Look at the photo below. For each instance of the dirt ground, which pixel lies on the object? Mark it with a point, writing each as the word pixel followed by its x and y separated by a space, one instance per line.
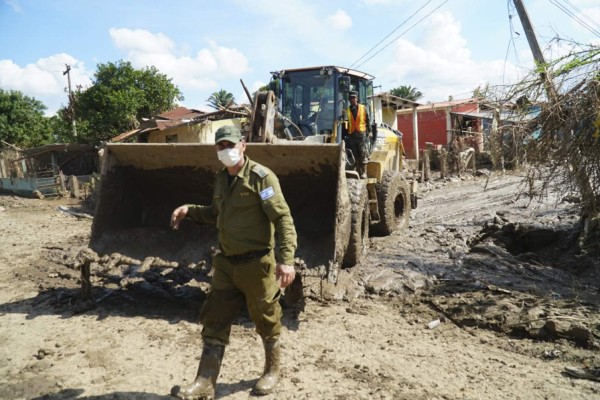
pixel 516 306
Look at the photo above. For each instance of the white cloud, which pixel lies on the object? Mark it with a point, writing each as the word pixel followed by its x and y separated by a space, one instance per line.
pixel 340 20
pixel 44 80
pixel 30 79
pixel 191 73
pixel 195 74
pixel 594 15
pixel 442 37
pixel 442 66
pixel 589 17
pixel 292 42
pixel 585 3
pixel 14 4
pixel 230 62
pixel 141 40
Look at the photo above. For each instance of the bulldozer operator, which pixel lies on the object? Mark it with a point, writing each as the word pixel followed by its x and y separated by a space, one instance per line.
pixel 359 128
pixel 248 208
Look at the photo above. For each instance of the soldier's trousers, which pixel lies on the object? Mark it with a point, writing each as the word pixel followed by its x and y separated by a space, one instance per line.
pixel 232 283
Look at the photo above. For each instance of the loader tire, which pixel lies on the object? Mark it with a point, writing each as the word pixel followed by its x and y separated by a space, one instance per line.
pixel 359 228
pixel 393 197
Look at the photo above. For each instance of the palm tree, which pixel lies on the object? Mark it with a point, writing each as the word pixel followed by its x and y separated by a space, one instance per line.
pixel 220 99
pixel 407 92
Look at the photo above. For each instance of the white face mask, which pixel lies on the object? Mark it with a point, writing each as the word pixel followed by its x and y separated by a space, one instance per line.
pixel 229 157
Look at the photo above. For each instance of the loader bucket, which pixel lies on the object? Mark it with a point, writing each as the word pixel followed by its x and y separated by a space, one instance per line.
pixel 142 184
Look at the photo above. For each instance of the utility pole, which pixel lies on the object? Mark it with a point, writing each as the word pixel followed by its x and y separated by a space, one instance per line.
pixel 538 56
pixel 71 105
pixel 576 163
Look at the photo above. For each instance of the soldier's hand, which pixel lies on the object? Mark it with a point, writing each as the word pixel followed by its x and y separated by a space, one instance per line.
pixel 285 274
pixel 179 214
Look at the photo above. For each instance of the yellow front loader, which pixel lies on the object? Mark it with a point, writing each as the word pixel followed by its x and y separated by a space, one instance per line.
pixel 295 133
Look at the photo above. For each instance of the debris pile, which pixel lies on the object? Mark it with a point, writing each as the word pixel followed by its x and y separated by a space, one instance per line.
pixel 154 275
pixel 518 279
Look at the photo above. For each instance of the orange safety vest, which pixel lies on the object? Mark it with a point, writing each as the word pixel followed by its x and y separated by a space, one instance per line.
pixel 360 123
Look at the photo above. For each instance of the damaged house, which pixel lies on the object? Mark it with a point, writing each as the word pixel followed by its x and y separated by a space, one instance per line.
pixel 47 171
pixel 183 125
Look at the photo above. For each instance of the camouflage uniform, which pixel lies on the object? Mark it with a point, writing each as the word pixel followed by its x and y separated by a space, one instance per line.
pixel 247 212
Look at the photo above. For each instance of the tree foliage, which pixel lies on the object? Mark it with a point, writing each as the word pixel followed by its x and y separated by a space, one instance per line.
pixel 119 98
pixel 407 92
pixel 562 143
pixel 220 99
pixel 481 92
pixel 22 120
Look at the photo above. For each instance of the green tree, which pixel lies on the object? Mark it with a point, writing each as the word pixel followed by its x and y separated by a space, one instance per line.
pixel 62 130
pixel 220 99
pixel 22 120
pixel 407 92
pixel 119 98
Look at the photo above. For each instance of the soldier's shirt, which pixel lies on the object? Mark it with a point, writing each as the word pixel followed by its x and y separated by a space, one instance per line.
pixel 248 212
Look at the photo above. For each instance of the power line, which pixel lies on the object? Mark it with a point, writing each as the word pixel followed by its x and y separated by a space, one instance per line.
pixel 511 42
pixel 390 34
pixel 397 37
pixel 577 19
pixel 580 13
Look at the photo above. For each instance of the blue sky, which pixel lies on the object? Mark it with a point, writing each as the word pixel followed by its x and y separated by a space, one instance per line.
pixel 205 46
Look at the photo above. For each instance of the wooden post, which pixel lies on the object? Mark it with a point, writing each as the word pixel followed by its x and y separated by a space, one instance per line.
pixel 425 167
pixel 86 286
pixel 443 163
pixel 496 142
pixel 473 162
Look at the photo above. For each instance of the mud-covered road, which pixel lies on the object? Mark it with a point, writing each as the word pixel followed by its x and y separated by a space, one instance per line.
pixel 516 306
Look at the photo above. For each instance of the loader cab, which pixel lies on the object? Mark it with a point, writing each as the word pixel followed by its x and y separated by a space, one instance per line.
pixel 313 101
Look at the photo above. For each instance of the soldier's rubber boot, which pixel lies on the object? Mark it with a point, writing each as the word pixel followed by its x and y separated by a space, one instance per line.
pixel 270 377
pixel 203 387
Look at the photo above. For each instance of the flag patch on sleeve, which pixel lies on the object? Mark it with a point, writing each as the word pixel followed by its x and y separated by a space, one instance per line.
pixel 267 193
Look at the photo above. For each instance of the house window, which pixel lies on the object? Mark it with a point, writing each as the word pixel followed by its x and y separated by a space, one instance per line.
pixel 171 139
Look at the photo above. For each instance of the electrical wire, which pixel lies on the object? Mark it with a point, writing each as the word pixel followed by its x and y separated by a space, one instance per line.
pixel 511 42
pixel 580 13
pixel 575 17
pixel 390 34
pixel 397 37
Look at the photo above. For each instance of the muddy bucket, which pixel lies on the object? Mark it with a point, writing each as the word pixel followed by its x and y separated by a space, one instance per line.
pixel 142 184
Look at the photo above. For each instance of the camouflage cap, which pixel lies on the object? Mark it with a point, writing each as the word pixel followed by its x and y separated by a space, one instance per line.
pixel 229 133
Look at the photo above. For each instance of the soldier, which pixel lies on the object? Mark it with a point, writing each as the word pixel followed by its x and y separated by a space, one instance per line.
pixel 247 207
pixel 358 130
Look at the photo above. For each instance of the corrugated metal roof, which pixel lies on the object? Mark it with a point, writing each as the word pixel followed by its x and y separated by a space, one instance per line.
pixel 161 125
pixel 444 104
pixel 389 100
pixel 181 113
pixel 504 115
pixel 180 116
pixel 36 151
pixel 122 136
